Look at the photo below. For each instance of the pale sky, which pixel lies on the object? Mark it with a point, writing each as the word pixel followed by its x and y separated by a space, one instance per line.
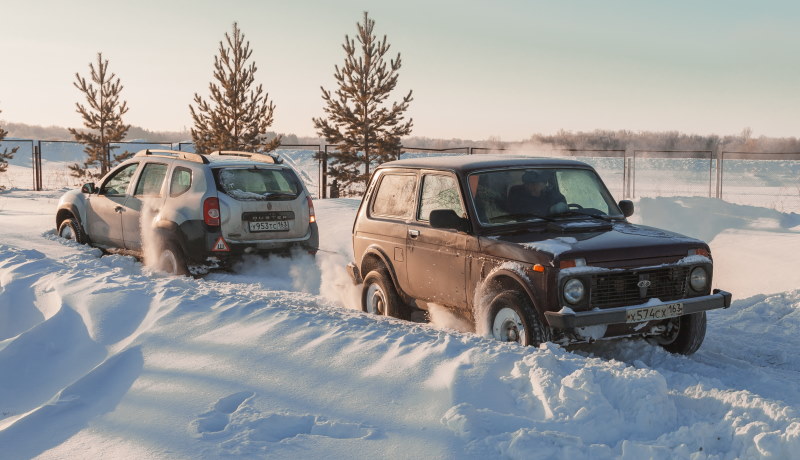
pixel 506 68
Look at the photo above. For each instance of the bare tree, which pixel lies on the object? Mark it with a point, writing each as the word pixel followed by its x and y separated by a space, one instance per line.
pixel 365 129
pixel 102 117
pixel 237 116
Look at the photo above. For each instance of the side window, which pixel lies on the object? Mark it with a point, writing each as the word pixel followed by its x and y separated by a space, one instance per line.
pixel 439 192
pixel 395 196
pixel 118 183
pixel 181 181
pixel 151 179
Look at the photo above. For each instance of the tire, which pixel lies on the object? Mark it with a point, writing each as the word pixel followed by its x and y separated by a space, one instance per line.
pixel 380 297
pixel 71 229
pixel 687 334
pixel 512 318
pixel 171 260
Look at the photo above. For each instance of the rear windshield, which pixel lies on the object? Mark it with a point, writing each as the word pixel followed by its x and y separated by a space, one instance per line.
pixel 252 184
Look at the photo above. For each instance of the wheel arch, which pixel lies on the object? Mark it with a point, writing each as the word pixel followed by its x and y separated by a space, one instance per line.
pixel 375 257
pixel 502 280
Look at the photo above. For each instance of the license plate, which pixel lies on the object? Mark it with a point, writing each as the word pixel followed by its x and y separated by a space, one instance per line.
pixel 654 313
pixel 272 226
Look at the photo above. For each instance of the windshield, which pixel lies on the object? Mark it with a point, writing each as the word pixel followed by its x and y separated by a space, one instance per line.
pixel 246 184
pixel 521 195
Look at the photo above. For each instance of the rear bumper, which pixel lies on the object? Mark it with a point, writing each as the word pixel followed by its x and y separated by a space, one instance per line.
pixel 719 299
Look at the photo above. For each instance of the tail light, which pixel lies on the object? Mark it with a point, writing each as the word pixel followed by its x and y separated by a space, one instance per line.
pixel 211 211
pixel 311 217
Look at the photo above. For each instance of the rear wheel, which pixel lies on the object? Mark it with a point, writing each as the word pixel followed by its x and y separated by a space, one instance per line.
pixel 513 319
pixel 171 259
pixel 379 296
pixel 684 334
pixel 71 229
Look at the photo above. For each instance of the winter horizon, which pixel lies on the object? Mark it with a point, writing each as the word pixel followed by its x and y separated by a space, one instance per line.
pixel 477 72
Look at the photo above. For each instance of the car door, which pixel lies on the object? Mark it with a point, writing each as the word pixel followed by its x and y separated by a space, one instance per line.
pixel 436 258
pixel 144 204
pixel 104 209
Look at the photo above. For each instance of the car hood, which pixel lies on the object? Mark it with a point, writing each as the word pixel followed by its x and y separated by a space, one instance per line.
pixel 608 244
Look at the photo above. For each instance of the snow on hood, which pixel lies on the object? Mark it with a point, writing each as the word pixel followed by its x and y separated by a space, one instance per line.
pixel 554 246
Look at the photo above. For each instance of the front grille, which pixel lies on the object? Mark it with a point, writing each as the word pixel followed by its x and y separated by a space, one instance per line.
pixel 619 289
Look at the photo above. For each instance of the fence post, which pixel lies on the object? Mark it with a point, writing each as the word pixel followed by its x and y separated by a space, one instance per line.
pixel 39 166
pixel 324 166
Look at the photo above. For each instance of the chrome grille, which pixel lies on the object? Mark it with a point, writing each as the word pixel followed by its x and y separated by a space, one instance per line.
pixel 622 288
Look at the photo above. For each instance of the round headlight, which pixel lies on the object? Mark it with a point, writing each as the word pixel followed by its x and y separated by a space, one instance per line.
pixel 698 279
pixel 574 290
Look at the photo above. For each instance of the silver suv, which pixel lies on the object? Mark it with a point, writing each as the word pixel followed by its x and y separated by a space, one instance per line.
pixel 189 211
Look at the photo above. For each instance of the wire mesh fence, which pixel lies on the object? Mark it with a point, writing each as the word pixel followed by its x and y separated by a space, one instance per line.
pixel 739 177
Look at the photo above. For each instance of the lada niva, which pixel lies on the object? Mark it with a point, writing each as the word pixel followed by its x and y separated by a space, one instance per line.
pixel 530 250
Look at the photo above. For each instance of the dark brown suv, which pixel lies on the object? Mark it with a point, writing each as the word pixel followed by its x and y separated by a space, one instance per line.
pixel 530 250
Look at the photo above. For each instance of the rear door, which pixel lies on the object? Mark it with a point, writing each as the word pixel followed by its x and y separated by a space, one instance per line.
pixel 437 258
pixel 144 204
pixel 262 203
pixel 104 210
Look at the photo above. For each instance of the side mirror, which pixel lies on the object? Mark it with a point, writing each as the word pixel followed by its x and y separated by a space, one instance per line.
pixel 88 188
pixel 627 207
pixel 447 218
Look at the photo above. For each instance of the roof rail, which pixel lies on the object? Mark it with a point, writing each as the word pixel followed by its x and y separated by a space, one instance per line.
pixel 263 157
pixel 188 156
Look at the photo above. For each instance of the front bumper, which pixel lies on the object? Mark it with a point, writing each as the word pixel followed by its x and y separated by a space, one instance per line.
pixel 719 299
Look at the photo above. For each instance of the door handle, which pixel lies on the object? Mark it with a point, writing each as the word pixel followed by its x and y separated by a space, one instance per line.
pixel 118 209
pixel 413 233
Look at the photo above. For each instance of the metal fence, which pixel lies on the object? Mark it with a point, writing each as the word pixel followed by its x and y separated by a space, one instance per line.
pixel 741 177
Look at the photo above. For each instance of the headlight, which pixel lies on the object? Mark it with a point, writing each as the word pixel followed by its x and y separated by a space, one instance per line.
pixel 574 290
pixel 698 279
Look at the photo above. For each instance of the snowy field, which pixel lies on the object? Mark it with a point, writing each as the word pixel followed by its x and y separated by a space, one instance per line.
pixel 101 357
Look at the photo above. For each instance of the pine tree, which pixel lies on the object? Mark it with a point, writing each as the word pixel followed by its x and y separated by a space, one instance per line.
pixel 365 131
pixel 237 116
pixel 5 155
pixel 103 119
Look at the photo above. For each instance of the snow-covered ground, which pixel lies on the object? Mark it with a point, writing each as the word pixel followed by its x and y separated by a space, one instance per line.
pixel 101 357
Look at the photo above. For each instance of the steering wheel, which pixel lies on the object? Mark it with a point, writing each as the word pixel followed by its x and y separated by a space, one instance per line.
pixel 574 205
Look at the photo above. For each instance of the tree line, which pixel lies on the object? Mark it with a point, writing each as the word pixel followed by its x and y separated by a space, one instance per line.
pixel 359 119
pixel 236 114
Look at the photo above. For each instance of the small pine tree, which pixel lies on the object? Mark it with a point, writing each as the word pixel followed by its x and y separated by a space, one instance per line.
pixel 365 131
pixel 5 155
pixel 103 119
pixel 237 116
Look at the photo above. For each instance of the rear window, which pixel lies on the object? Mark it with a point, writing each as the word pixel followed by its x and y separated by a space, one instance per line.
pixel 252 184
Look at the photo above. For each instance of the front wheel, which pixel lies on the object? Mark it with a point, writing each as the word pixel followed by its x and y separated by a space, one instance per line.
pixel 513 319
pixel 71 229
pixel 171 260
pixel 379 296
pixel 685 334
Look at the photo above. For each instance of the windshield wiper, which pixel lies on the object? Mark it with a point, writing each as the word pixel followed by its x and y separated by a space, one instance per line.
pixel 279 195
pixel 573 212
pixel 519 217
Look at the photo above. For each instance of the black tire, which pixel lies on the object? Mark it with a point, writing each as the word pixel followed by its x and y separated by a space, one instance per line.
pixel 171 259
pixel 687 334
pixel 512 318
pixel 71 229
pixel 380 297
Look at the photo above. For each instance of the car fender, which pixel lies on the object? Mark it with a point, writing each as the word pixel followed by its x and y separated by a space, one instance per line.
pixel 377 251
pixel 499 279
pixel 73 201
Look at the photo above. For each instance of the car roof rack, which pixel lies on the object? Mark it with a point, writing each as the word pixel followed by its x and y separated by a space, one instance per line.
pixel 263 157
pixel 189 156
